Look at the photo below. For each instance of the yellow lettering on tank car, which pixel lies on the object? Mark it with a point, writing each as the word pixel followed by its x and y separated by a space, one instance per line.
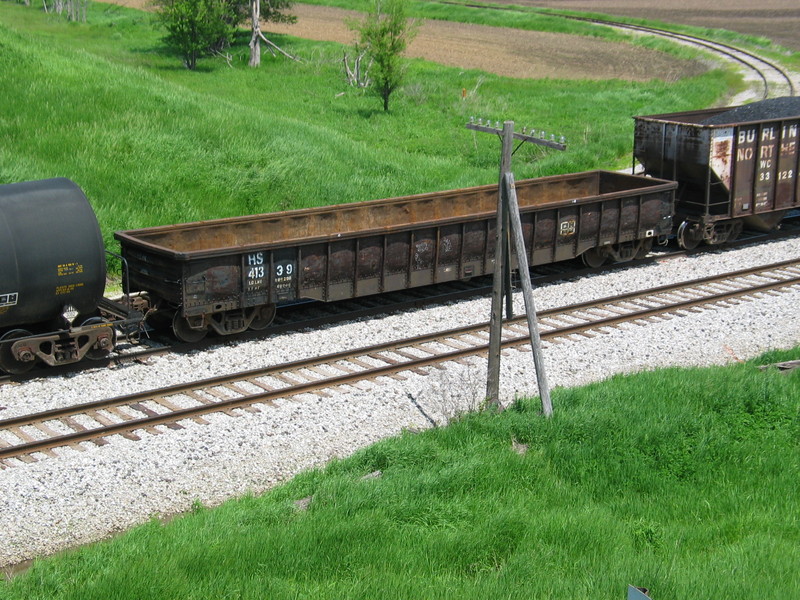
pixel 67 289
pixel 72 268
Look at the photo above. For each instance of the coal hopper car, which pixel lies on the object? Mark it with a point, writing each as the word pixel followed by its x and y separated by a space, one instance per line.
pixel 229 275
pixel 737 167
pixel 52 276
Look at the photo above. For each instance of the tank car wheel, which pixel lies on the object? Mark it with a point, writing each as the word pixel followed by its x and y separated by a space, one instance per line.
pixel 266 314
pixel 8 362
pixel 99 353
pixel 593 258
pixel 182 330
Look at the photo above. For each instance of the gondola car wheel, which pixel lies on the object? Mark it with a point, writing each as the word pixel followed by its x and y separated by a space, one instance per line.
pixel 182 330
pixel 265 317
pixel 593 259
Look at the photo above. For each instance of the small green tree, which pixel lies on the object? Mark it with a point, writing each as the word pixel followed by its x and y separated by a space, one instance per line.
pixel 384 34
pixel 195 27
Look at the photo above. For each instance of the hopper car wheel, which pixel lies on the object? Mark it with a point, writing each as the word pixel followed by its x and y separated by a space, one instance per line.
pixel 689 235
pixel 593 259
pixel 99 353
pixel 736 230
pixel 266 314
pixel 182 330
pixel 8 362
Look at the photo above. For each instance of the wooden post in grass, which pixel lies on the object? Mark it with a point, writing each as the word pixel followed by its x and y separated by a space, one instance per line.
pixel 501 269
pixel 508 219
pixel 527 293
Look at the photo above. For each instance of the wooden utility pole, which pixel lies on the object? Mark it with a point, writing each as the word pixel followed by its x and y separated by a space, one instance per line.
pixel 508 219
pixel 502 268
pixel 527 294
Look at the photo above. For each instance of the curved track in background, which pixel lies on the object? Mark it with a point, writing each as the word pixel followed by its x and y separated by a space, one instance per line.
pixel 775 81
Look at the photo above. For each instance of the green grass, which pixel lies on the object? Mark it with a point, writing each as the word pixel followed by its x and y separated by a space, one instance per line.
pixel 690 491
pixel 151 143
pixel 680 480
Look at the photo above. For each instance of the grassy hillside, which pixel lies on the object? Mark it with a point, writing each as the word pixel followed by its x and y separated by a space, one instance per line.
pixel 106 105
pixel 683 481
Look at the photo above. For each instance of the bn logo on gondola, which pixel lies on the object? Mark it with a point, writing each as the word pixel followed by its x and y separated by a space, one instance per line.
pixel 567 227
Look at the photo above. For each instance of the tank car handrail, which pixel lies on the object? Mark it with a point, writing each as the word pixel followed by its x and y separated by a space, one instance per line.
pixel 125 273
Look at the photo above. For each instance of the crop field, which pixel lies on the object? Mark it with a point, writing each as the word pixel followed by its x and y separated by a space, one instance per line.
pixel 775 20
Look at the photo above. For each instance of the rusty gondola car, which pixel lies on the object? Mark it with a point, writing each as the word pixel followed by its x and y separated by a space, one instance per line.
pixel 229 275
pixel 737 166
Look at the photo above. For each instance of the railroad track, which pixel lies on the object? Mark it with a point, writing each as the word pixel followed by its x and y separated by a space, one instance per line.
pixel 30 437
pixel 775 81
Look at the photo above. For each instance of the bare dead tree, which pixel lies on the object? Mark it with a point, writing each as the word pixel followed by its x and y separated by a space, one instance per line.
pixel 75 10
pixel 273 13
pixel 357 75
pixel 255 43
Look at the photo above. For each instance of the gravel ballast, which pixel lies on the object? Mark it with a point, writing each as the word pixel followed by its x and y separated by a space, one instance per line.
pixel 83 496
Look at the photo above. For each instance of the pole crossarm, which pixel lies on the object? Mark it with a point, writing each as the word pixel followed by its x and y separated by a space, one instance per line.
pixel 524 137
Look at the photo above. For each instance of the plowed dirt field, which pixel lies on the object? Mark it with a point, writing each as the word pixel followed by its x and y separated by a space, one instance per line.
pixel 515 53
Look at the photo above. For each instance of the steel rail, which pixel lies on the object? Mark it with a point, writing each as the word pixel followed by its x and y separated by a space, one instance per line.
pixel 394 366
pixel 721 48
pixel 718 47
pixel 387 346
